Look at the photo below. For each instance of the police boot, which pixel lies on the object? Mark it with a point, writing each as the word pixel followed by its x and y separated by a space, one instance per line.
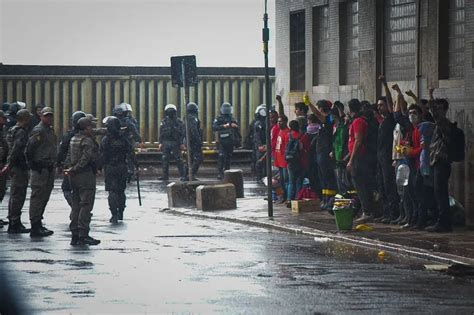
pixel 120 214
pixel 38 230
pixel 194 171
pixel 74 240
pixel 87 240
pixel 113 218
pixel 17 228
pixel 165 175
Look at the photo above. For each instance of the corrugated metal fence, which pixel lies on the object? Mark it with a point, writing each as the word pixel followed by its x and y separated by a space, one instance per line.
pixel 148 95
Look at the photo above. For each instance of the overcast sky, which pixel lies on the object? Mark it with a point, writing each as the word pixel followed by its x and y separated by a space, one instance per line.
pixel 221 33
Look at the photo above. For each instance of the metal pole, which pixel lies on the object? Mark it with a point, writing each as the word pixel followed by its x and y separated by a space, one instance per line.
pixel 188 141
pixel 268 101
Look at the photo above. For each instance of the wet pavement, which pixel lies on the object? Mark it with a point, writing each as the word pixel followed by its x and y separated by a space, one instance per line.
pixel 161 261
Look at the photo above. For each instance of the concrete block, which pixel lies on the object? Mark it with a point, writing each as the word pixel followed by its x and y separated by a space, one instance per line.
pixel 235 177
pixel 216 197
pixel 305 205
pixel 183 194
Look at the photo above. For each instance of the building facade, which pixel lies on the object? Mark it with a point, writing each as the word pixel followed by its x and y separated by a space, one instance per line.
pixel 336 49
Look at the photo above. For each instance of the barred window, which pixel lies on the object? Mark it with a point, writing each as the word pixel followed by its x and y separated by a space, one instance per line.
pixel 349 42
pixel 400 40
pixel 456 39
pixel 297 51
pixel 320 45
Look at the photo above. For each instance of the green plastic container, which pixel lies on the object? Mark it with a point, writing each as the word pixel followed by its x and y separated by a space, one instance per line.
pixel 343 218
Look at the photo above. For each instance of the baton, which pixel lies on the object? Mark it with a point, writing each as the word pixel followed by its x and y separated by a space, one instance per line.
pixel 138 188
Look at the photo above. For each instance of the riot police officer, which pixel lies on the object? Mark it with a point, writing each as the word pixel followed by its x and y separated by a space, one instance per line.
pixel 228 137
pixel 171 141
pixel 16 163
pixel 41 158
pixel 3 159
pixel 121 112
pixel 116 150
pixel 195 139
pixel 82 161
pixel 259 141
pixel 12 113
pixel 63 150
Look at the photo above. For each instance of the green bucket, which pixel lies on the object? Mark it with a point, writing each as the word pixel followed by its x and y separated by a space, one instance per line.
pixel 343 218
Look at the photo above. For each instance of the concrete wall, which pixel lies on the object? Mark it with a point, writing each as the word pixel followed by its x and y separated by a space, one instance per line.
pixel 459 92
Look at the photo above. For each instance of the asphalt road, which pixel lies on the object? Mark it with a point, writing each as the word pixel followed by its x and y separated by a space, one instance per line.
pixel 157 262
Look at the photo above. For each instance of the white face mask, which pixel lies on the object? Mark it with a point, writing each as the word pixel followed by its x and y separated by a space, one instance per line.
pixel 262 112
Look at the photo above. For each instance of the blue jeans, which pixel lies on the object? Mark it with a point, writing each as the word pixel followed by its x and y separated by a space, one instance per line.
pixel 295 183
pixel 284 181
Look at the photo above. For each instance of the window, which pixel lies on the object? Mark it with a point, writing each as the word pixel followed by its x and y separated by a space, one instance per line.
pixel 320 45
pixel 456 39
pixel 349 43
pixel 400 40
pixel 297 51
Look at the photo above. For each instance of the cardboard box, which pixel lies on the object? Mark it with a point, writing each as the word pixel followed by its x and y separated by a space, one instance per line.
pixel 305 205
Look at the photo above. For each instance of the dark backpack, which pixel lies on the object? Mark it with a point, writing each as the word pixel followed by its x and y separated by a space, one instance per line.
pixel 293 151
pixel 457 143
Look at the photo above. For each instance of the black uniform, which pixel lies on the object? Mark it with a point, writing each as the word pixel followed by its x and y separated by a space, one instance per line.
pixel 227 138
pixel 172 135
pixel 195 144
pixel 134 137
pixel 259 140
pixel 62 155
pixel 116 151
pixel 3 161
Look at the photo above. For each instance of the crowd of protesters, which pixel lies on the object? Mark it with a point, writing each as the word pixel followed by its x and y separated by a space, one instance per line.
pixel 396 154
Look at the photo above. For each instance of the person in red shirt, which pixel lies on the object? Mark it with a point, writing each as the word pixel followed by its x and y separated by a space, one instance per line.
pixel 358 164
pixel 279 154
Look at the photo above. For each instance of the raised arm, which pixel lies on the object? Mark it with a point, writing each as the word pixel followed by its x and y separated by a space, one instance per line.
pixel 281 108
pixel 401 103
pixel 388 94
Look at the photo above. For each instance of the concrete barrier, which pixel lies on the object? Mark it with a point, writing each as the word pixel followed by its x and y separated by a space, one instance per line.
pixel 216 197
pixel 235 177
pixel 183 194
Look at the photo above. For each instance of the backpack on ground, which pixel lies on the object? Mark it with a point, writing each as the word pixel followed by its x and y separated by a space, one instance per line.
pixel 457 144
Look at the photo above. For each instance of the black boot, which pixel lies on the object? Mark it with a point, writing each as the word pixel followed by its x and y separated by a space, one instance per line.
pixel 87 240
pixel 120 214
pixel 75 240
pixel 38 230
pixel 113 219
pixel 17 228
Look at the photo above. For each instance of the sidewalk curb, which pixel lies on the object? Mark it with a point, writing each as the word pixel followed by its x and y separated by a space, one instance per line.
pixel 442 258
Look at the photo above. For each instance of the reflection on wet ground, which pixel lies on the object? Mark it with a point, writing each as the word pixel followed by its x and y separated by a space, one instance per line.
pixel 161 263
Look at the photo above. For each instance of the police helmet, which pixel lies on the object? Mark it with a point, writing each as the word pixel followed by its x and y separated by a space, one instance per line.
pixel 192 108
pixel 76 116
pixel 16 106
pixel 128 107
pixel 23 114
pixel 226 108
pixel 122 106
pixel 118 112
pixel 5 107
pixel 112 123
pixel 83 123
pixel 170 107
pixel 261 110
